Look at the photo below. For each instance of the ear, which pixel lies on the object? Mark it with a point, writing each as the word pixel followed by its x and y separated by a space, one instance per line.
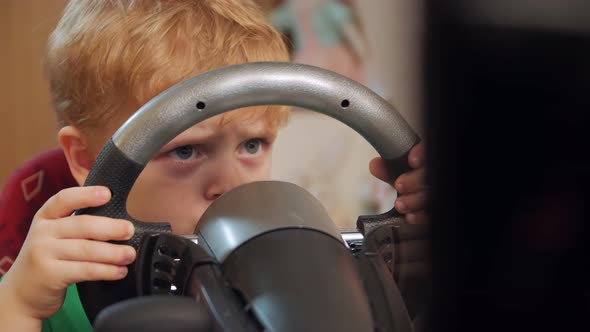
pixel 78 153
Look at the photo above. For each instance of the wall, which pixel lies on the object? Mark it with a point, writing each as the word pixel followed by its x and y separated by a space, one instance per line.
pixel 27 125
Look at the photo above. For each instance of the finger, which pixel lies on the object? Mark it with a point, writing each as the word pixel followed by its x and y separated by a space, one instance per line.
pixel 94 227
pixel 65 202
pixel 90 271
pixel 378 168
pixel 416 159
pixel 417 156
pixel 411 202
pixel 411 182
pixel 419 217
pixel 94 251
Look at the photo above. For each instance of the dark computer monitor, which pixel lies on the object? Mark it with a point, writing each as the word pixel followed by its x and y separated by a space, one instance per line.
pixel 507 88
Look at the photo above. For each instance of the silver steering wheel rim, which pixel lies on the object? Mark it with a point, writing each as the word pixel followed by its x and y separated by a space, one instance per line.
pixel 216 92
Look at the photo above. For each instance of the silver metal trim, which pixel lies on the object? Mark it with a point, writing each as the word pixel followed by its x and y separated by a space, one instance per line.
pixel 192 237
pixel 346 236
pixel 263 83
pixel 352 237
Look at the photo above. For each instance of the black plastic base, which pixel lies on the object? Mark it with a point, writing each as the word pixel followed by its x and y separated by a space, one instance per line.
pixel 300 280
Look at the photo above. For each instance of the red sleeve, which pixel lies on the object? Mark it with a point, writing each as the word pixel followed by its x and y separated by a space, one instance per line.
pixel 24 192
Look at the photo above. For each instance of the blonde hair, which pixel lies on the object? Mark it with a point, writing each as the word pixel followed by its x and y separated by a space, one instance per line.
pixel 107 58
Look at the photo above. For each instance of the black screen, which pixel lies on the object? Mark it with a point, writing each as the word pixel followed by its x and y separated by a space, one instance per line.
pixel 505 104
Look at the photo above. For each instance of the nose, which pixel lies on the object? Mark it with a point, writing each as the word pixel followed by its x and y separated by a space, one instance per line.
pixel 224 176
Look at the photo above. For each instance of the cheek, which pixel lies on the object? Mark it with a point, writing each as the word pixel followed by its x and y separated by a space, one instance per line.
pixel 261 169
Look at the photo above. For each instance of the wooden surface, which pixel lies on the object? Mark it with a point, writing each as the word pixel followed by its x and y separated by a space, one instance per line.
pixel 27 124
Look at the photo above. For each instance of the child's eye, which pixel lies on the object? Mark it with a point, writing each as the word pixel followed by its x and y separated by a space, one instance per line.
pixel 252 146
pixel 184 152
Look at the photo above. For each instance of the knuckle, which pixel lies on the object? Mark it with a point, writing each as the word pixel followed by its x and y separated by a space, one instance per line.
pixel 38 258
pixel 86 251
pixel 92 271
pixel 88 224
pixel 59 198
pixel 39 228
pixel 35 254
pixel 98 227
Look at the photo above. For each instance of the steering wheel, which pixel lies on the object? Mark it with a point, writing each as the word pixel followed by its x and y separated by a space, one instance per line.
pixel 222 90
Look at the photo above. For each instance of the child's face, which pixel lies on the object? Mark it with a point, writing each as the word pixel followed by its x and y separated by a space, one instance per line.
pixel 199 165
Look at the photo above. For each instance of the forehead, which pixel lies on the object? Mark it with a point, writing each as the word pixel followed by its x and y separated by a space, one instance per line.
pixel 241 124
pixel 252 117
pixel 247 115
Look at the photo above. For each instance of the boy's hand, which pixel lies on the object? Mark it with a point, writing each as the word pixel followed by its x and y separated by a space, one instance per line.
pixel 61 249
pixel 410 186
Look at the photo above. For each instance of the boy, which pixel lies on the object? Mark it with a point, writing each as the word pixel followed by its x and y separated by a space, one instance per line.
pixel 104 60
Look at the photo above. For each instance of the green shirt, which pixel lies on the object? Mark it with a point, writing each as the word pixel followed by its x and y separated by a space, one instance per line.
pixel 71 316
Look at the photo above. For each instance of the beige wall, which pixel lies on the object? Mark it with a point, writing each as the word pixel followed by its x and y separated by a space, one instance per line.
pixel 27 125
pixel 393 29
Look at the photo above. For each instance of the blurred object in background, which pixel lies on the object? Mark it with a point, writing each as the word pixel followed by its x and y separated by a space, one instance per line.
pixel 373 42
pixel 332 165
pixel 324 33
pixel 506 100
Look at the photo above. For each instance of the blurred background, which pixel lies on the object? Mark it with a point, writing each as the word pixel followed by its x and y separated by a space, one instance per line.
pixel 374 42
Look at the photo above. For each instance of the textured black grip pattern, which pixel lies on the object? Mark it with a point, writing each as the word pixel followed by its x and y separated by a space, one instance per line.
pixel 405 250
pixel 117 172
pixel 392 218
pixel 407 232
pixel 366 224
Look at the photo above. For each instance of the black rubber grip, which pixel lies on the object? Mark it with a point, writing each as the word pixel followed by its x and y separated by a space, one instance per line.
pixel 117 172
pixel 366 224
pixel 395 168
pixel 405 250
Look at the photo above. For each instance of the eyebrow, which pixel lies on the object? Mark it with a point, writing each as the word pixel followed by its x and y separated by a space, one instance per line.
pixel 211 134
pixel 188 139
pixel 259 130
